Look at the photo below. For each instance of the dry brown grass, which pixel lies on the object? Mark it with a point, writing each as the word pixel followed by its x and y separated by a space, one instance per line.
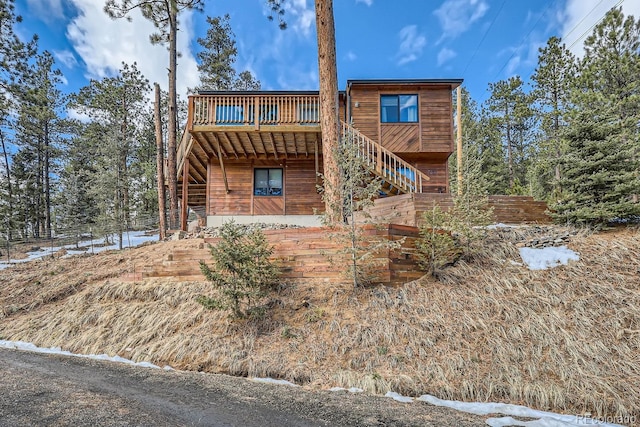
pixel 565 339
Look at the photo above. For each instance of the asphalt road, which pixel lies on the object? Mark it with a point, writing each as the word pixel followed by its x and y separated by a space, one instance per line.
pixel 52 390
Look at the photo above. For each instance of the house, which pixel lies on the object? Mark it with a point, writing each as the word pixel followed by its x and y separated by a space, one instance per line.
pixel 255 156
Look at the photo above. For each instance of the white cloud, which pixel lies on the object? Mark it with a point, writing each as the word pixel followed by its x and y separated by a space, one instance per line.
pixel 580 16
pixel 66 57
pixel 445 55
pixel 411 44
pixel 46 9
pixel 457 16
pixel 72 113
pixel 367 2
pixel 103 44
pixel 278 54
pixel 304 16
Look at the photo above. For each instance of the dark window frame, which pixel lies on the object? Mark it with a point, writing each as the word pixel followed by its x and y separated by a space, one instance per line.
pixel 398 111
pixel 268 191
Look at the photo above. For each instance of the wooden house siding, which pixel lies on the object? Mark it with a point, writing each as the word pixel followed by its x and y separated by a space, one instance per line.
pixel 433 133
pixel 438 171
pixel 299 196
pixel 436 121
pixel 365 111
pixel 300 188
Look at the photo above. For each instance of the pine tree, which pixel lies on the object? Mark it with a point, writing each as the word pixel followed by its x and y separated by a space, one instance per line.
pixel 40 128
pixel 217 59
pixel 512 116
pixel 554 77
pixel 599 174
pixel 164 15
pixel 14 55
pixel 491 155
pixel 479 156
pixel 115 105
pixel 242 273
pixel 601 162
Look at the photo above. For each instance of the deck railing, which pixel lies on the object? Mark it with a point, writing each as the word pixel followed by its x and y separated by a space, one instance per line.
pixel 254 110
pixel 384 163
pixel 290 110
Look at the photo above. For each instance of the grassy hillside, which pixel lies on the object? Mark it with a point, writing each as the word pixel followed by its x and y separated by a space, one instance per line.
pixel 565 339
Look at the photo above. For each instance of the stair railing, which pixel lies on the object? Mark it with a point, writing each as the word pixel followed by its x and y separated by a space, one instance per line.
pixel 383 163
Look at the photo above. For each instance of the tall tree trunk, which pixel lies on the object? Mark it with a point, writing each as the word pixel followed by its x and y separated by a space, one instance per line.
pixel 47 183
pixel 39 190
pixel 173 119
pixel 9 188
pixel 329 123
pixel 123 161
pixel 509 148
pixel 160 163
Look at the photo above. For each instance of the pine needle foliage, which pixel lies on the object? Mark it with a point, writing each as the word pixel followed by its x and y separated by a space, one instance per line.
pixel 242 273
pixel 437 246
pixel 447 236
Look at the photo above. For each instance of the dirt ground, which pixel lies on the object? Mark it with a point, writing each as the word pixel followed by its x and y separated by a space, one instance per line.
pixel 460 338
pixel 51 390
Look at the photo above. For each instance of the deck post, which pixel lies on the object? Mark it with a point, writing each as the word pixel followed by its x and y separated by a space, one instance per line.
pixel 459 126
pixel 185 195
pixel 316 160
pixel 256 113
pixel 224 173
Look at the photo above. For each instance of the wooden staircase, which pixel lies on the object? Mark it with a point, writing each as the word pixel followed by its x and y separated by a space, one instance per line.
pixel 398 176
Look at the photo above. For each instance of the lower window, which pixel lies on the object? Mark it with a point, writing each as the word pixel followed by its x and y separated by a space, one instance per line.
pixel 267 182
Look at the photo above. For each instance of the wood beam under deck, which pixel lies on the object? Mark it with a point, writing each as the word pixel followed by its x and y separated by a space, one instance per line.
pixel 284 142
pixel 224 172
pixel 246 134
pixel 185 194
pixel 295 145
pixel 208 147
pixel 264 148
pixel 225 136
pixel 316 161
pixel 192 166
pixel 193 172
pixel 275 155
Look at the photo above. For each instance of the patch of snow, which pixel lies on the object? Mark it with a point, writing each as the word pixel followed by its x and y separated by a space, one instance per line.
pixel 543 418
pixel 399 397
pixel 350 390
pixel 500 225
pixel 130 239
pixel 272 381
pixel 541 259
pixel 27 346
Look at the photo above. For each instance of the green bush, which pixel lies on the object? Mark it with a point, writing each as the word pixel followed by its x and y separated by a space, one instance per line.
pixel 445 237
pixel 242 273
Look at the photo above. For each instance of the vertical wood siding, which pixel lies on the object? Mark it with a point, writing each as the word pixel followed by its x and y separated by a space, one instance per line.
pixel 300 195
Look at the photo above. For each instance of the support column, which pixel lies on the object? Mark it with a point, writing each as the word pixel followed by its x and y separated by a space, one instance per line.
pixel 459 126
pixel 185 195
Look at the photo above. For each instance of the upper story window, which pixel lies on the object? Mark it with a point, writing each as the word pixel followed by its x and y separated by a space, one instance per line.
pixel 267 182
pixel 399 108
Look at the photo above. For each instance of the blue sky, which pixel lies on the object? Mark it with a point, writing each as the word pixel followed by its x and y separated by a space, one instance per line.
pixel 481 41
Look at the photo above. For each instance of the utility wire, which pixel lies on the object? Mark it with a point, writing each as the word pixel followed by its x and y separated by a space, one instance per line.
pixel 495 18
pixel 544 12
pixel 593 26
